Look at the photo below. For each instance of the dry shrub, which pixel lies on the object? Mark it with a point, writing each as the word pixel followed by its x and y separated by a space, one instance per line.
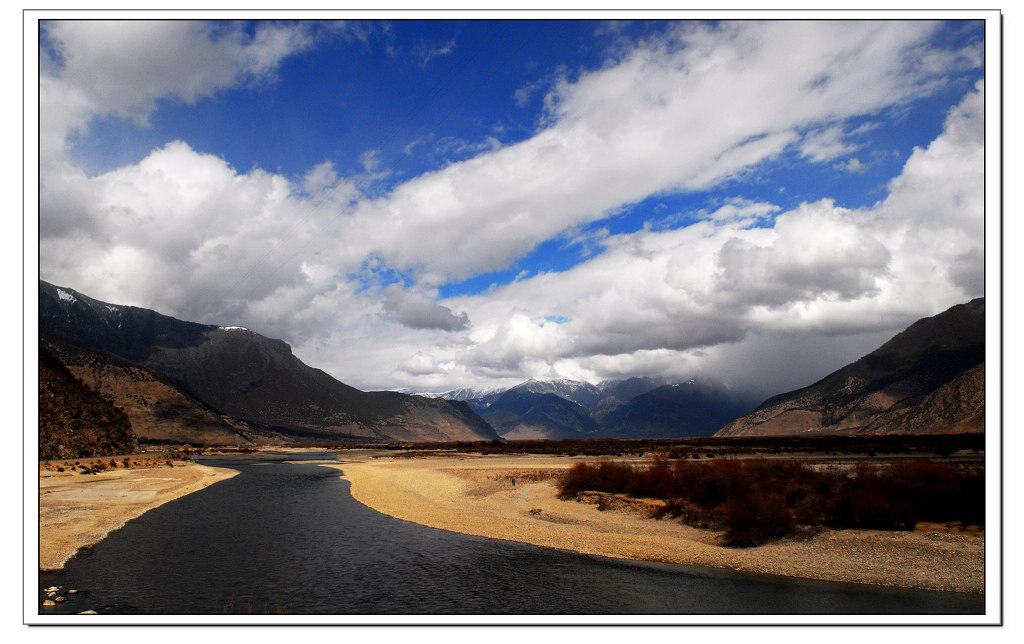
pixel 756 500
pixel 755 519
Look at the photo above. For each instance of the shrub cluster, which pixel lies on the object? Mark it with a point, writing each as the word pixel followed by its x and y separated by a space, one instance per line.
pixel 755 500
pixel 693 448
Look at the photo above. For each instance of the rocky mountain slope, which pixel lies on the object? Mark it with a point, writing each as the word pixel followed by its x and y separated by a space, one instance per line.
pixel 249 377
pixel 927 379
pixel 159 411
pixel 74 420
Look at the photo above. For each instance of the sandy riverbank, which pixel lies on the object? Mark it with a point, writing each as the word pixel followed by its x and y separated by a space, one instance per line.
pixel 514 498
pixel 77 510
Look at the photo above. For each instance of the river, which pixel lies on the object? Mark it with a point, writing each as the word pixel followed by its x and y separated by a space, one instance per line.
pixel 289 538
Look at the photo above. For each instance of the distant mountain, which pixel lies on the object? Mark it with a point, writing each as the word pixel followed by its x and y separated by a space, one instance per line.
pixel 251 378
pixel 692 408
pixel 477 399
pixel 74 420
pixel 582 393
pixel 520 413
pixel 619 392
pixel 632 408
pixel 929 378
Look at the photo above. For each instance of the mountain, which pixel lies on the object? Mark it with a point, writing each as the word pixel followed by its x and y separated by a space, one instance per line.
pixel 633 408
pixel 251 378
pixel 956 407
pixel 582 393
pixel 477 399
pixel 692 408
pixel 520 414
pixel 929 378
pixel 74 420
pixel 158 410
pixel 618 392
pixel 577 391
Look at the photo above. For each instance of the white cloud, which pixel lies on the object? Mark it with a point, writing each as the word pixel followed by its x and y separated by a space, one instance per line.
pixel 682 113
pixel 671 301
pixel 320 178
pixel 825 144
pixel 187 234
pixel 428 51
pixel 419 365
pixel 122 67
pixel 852 165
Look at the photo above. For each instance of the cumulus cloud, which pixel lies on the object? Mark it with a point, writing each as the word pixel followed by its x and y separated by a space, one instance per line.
pixel 122 67
pixel 684 112
pixel 852 165
pixel 189 235
pixel 417 310
pixel 818 250
pixel 671 301
pixel 825 144
pixel 419 365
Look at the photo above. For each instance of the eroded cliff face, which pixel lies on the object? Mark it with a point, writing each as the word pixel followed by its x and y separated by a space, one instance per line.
pixel 927 379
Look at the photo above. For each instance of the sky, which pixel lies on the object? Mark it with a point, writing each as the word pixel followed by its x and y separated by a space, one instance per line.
pixel 431 204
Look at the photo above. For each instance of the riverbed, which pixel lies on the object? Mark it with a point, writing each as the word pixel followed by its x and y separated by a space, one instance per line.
pixel 287 538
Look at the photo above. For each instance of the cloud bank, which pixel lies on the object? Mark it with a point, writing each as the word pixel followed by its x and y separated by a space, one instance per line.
pixel 351 277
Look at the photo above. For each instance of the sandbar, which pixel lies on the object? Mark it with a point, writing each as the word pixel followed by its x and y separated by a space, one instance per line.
pixel 78 510
pixel 515 498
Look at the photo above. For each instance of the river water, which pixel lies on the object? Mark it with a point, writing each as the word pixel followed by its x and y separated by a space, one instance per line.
pixel 288 538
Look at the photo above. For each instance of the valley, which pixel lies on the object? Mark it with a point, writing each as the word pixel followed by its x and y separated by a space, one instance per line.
pixel 494 462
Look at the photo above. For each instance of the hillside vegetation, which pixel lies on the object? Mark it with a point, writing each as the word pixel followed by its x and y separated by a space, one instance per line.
pixel 74 420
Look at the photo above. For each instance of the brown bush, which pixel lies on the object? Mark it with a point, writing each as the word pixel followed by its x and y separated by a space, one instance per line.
pixel 756 500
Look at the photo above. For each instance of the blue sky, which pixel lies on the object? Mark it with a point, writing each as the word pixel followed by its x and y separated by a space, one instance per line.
pixel 429 204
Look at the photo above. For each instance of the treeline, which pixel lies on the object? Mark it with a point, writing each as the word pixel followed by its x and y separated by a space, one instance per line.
pixel 706 447
pixel 754 501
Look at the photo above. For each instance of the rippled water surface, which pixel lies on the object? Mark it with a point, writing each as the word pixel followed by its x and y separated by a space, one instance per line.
pixel 288 537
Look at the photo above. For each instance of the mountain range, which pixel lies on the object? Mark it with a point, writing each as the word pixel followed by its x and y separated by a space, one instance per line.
pixel 638 407
pixel 187 382
pixel 239 376
pixel 929 378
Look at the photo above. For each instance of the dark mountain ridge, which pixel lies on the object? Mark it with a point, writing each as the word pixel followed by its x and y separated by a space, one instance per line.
pixel 249 377
pixel 899 375
pixel 698 408
pixel 159 411
pixel 523 414
pixel 638 407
